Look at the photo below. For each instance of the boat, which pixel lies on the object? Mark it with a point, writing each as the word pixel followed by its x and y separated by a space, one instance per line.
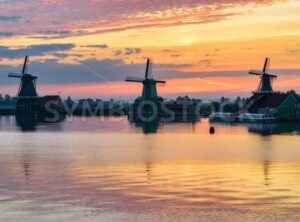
pixel 256 118
pixel 223 117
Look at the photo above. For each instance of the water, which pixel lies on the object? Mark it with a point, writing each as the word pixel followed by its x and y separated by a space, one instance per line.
pixel 111 170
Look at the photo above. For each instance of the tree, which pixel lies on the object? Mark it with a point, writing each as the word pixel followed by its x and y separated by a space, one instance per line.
pixel 294 93
pixel 7 98
pixel 69 101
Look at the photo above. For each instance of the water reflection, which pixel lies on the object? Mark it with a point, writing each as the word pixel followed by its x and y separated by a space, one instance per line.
pixel 147 126
pixel 266 129
pixel 154 125
pixel 26 159
pixel 266 148
pixel 99 170
pixel 27 122
pixel 148 156
pixel 272 129
pixel 30 122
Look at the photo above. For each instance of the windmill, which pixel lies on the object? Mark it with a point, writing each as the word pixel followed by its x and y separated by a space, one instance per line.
pixel 265 85
pixel 149 84
pixel 28 82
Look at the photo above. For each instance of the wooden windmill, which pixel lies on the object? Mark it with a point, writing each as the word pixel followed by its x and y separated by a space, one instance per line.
pixel 28 82
pixel 149 84
pixel 265 85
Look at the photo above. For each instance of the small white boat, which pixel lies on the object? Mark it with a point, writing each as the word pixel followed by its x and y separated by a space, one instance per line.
pixel 223 117
pixel 256 118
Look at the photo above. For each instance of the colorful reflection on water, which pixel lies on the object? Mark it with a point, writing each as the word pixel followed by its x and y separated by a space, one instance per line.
pixel 107 169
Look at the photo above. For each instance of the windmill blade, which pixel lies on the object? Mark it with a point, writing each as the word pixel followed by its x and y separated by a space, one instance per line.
pixel 24 70
pixel 266 65
pixel 161 81
pixel 14 75
pixel 255 72
pixel 147 68
pixel 259 86
pixel 150 69
pixel 27 65
pixel 271 75
pixel 32 76
pixel 133 79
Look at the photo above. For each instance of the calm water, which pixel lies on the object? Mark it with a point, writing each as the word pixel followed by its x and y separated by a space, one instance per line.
pixel 111 170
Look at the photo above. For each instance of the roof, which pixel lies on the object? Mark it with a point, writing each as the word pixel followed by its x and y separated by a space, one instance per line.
pixel 28 97
pixel 267 100
pixel 52 97
pixel 49 98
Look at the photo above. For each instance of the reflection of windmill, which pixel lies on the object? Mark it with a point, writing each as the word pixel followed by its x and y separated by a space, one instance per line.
pixel 28 81
pixel 149 84
pixel 148 158
pixel 27 162
pixel 149 127
pixel 267 160
pixel 266 78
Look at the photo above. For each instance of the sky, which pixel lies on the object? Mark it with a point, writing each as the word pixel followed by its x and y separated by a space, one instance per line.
pixel 202 48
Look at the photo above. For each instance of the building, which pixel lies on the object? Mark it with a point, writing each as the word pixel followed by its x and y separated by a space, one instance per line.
pixel 283 106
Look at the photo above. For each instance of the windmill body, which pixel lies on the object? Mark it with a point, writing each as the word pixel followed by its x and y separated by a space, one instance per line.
pixel 149 90
pixel 266 86
pixel 27 86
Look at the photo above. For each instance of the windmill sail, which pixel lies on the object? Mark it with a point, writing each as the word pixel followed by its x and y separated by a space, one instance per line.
pixel 266 66
pixel 133 79
pixel 255 72
pixel 147 69
pixel 24 70
pixel 14 75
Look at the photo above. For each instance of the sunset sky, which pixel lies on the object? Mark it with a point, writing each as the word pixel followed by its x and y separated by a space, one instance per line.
pixel 202 48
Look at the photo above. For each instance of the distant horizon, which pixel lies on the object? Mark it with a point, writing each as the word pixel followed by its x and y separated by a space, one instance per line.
pixel 204 97
pixel 135 90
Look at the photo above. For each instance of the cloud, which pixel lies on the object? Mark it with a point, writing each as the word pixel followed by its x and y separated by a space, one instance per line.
pixel 168 50
pixel 205 62
pixel 127 52
pixel 171 66
pixel 292 51
pixel 117 52
pixel 6 34
pixel 52 72
pixel 10 18
pixel 65 55
pixel 33 50
pixel 130 51
pixel 111 16
pixel 97 46
pixel 50 34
